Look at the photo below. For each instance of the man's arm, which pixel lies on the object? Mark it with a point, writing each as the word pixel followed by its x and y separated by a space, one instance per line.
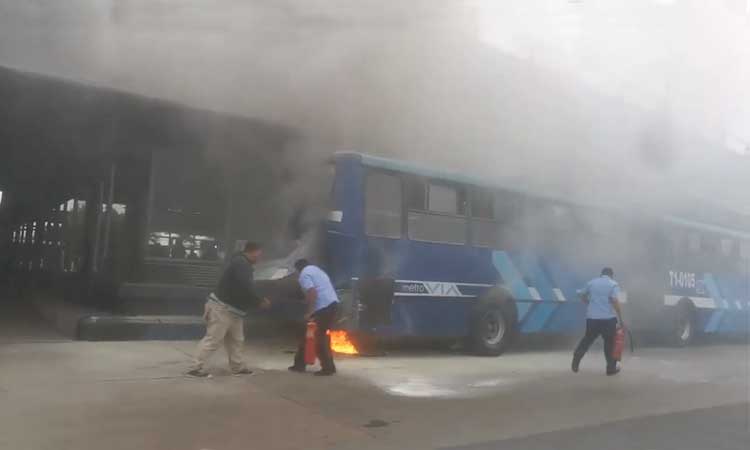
pixel 616 306
pixel 583 294
pixel 614 299
pixel 311 294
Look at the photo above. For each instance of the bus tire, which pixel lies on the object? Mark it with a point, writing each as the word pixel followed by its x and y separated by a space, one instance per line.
pixel 683 329
pixel 493 325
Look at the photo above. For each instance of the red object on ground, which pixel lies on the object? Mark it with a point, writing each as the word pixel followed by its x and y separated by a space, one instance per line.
pixel 619 344
pixel 310 353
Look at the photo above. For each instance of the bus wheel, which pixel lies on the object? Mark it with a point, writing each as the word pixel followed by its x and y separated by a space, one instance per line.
pixel 491 330
pixel 683 330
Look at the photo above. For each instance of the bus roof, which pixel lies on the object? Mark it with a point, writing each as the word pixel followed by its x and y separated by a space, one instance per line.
pixel 447 175
pixel 707 227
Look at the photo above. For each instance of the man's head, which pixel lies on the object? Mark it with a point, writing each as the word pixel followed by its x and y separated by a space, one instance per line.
pixel 253 252
pixel 607 271
pixel 300 264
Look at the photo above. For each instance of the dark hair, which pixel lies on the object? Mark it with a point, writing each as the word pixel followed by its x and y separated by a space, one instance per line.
pixel 301 264
pixel 608 272
pixel 252 247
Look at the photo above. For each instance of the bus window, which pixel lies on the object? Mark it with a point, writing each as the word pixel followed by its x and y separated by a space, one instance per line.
pixel 548 214
pixel 727 247
pixel 443 220
pixel 597 222
pixel 507 207
pixel 416 194
pixel 493 214
pixel 383 205
pixel 483 204
pixel 446 199
pixel 694 242
pixel 678 241
pixel 745 249
pixel 561 216
pixel 484 230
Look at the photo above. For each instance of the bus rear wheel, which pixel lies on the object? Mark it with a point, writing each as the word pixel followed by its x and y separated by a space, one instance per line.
pixel 683 329
pixel 491 330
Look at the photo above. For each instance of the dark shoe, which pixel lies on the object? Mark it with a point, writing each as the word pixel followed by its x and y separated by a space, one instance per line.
pixel 325 373
pixel 296 369
pixel 197 373
pixel 243 371
pixel 575 364
pixel 613 372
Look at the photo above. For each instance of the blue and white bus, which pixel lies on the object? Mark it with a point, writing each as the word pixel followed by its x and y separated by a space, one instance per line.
pixel 417 252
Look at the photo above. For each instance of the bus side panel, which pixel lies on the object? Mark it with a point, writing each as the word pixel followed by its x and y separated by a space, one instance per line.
pixel 427 316
pixel 720 303
pixel 446 263
pixel 552 308
pixel 570 316
pixel 342 259
pixel 343 236
pixel 444 268
pixel 348 198
pixel 733 306
pixel 738 323
pixel 555 306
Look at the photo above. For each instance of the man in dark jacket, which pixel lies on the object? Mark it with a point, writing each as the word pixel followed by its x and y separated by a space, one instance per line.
pixel 225 310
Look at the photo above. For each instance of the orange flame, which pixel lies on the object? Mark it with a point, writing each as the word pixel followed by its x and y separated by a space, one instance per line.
pixel 340 343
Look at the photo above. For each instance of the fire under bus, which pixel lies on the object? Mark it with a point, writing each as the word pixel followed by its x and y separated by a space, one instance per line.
pixel 416 252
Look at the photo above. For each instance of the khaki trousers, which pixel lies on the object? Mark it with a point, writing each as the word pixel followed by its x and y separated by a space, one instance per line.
pixel 221 326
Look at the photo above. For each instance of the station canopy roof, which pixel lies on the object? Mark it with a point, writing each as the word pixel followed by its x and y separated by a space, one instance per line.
pixel 57 135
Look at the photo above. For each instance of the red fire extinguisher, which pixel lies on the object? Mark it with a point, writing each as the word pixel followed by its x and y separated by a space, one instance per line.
pixel 619 344
pixel 310 352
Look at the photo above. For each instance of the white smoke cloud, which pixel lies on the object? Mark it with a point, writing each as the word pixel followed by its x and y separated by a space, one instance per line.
pixel 557 94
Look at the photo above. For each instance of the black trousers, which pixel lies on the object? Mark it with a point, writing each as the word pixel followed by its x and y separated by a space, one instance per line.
pixel 606 328
pixel 324 319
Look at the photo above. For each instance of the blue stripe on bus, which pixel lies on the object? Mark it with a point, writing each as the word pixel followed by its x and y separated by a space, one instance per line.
pixel 731 322
pixel 567 281
pixel 539 318
pixel 530 265
pixel 511 276
pixel 714 322
pixel 541 314
pixel 523 308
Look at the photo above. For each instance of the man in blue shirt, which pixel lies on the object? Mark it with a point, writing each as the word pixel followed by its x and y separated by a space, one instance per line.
pixel 322 307
pixel 601 296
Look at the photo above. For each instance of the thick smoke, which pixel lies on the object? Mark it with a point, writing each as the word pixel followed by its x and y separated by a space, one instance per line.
pixel 591 99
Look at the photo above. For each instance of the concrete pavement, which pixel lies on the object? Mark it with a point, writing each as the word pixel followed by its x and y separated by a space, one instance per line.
pixel 82 395
pixel 722 427
pixel 20 322
pixel 125 395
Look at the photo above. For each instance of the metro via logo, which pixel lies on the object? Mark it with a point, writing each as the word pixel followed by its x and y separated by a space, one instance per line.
pixel 442 289
pixel 430 288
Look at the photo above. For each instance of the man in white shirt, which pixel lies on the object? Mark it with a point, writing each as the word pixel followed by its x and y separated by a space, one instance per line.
pixel 322 307
pixel 601 296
